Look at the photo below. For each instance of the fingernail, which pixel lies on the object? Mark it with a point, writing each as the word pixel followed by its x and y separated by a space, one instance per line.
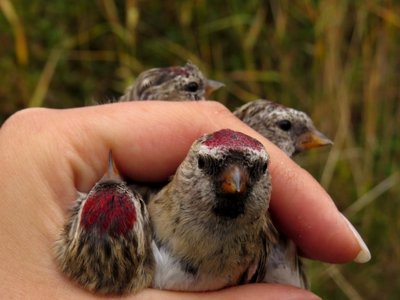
pixel 364 255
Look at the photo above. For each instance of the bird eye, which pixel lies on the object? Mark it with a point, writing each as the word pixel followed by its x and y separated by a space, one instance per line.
pixel 285 125
pixel 201 162
pixel 192 87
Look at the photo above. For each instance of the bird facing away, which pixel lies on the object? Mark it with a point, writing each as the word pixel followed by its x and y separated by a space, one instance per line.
pixel 291 130
pixel 106 244
pixel 171 83
pixel 211 226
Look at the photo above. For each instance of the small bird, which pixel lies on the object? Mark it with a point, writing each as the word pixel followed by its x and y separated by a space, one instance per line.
pixel 291 130
pixel 171 83
pixel 106 244
pixel 211 225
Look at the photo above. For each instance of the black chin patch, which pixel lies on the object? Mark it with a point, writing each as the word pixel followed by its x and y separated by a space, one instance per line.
pixel 229 206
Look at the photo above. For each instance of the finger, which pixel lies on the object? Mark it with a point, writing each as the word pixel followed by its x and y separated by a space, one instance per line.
pixel 250 291
pixel 150 139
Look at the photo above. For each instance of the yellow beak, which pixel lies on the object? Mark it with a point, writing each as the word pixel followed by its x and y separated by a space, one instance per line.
pixel 212 86
pixel 312 139
pixel 234 180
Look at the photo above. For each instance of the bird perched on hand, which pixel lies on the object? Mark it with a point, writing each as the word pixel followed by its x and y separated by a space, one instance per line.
pixel 211 226
pixel 105 245
pixel 291 130
pixel 171 83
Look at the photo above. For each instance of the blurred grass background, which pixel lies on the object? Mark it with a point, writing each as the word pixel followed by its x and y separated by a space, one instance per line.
pixel 337 60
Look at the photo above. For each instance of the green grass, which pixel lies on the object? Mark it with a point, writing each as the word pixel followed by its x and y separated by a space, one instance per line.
pixel 337 60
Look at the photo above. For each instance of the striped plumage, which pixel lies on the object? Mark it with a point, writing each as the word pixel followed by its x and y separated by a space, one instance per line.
pixel 105 245
pixel 171 83
pixel 211 224
pixel 291 130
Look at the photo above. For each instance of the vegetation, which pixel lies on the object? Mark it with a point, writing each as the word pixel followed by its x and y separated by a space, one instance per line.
pixel 337 60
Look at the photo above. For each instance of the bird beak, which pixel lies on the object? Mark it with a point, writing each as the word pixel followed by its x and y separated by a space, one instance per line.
pixel 234 180
pixel 212 86
pixel 312 139
pixel 112 172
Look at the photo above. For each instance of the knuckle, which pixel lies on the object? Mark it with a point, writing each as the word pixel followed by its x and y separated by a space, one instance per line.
pixel 25 121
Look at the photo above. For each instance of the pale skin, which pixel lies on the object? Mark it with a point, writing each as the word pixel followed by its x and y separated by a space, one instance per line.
pixel 46 155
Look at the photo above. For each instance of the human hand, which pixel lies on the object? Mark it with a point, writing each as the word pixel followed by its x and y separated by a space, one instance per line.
pixel 46 155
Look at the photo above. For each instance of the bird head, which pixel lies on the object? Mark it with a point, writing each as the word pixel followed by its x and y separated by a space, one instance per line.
pixel 174 83
pixel 291 130
pixel 105 245
pixel 111 208
pixel 229 174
